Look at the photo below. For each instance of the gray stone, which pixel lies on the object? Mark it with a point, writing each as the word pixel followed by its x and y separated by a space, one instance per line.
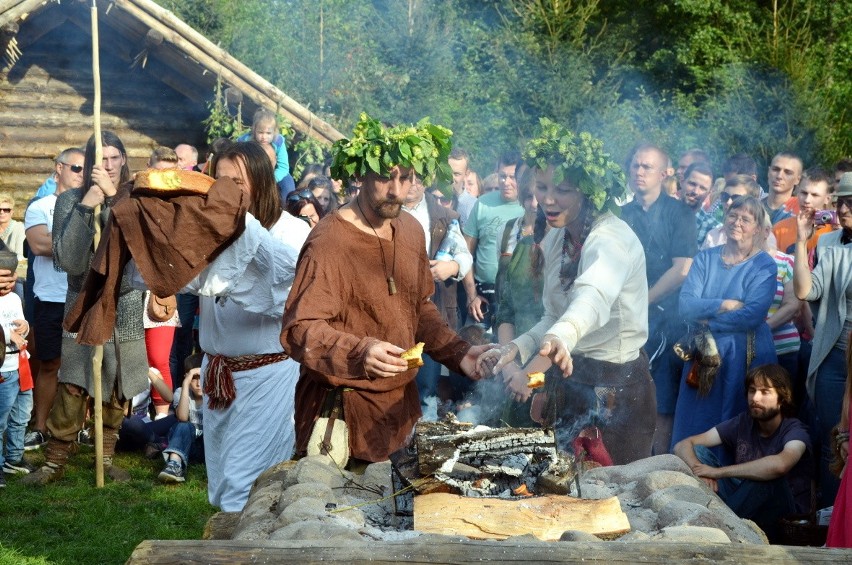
pixel 254 529
pixel 642 519
pixel 577 535
pixel 523 538
pixel 595 491
pixel 679 513
pixel 638 469
pixel 319 469
pixel 262 501
pixel 658 500
pixel 692 534
pixel 635 536
pixel 316 530
pixel 659 480
pixel 737 530
pixel 277 474
pixel 301 510
pixel 305 490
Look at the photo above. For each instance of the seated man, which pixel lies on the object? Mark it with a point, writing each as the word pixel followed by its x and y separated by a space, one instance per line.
pixel 772 470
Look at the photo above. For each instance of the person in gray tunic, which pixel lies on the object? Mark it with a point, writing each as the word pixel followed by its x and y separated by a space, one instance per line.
pixel 125 366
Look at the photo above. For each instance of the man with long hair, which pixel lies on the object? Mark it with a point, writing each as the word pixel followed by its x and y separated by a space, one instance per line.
pixel 771 474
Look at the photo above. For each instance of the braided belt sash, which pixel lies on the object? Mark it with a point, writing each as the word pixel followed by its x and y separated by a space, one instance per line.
pixel 219 381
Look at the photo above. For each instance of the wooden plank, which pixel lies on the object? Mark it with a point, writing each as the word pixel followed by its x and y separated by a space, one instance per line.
pixel 545 517
pixel 192 552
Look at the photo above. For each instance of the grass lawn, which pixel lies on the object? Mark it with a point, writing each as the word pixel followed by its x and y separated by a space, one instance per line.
pixel 71 521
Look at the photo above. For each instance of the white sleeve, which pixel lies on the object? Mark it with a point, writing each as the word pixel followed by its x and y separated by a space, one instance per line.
pixel 257 270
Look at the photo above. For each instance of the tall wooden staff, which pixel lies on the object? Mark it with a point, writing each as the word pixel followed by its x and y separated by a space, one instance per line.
pixel 98 353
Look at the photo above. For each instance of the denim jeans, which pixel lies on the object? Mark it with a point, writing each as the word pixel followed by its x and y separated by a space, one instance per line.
pixel 9 390
pixel 829 388
pixel 182 441
pixel 763 502
pixel 19 417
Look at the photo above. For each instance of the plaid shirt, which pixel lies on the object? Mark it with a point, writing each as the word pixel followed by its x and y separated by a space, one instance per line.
pixel 704 222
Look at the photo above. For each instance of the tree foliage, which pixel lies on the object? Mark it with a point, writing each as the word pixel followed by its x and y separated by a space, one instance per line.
pixel 724 75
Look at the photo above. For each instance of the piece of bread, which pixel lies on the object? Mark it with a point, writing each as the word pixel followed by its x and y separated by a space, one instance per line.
pixel 535 380
pixel 171 182
pixel 413 356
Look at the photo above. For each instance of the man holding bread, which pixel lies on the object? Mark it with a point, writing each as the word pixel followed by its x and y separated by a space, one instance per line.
pixel 361 295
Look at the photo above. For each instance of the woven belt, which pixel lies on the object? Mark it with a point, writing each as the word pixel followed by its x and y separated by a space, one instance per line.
pixel 219 381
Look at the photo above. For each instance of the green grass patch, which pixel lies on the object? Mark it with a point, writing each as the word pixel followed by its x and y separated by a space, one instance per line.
pixel 70 521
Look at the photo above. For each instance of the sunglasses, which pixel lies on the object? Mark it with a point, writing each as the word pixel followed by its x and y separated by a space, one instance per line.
pixel 725 196
pixel 303 194
pixel 844 201
pixel 74 168
pixel 441 198
pixel 6 210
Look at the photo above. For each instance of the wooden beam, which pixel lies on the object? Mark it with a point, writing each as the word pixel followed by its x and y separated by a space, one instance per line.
pixel 232 70
pixel 191 552
pixel 13 10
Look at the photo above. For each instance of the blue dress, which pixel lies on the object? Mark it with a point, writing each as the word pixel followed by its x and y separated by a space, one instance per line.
pixel 708 283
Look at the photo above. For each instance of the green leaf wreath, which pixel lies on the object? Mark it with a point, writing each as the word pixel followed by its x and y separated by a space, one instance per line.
pixel 581 159
pixel 423 147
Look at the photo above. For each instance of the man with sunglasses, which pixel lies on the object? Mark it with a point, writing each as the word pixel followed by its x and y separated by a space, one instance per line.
pixel 827 286
pixel 50 287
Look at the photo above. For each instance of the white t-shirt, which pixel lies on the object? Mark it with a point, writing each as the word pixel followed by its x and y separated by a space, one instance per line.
pixel 50 285
pixel 10 310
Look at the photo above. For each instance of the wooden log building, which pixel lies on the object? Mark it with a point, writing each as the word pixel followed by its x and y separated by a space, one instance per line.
pixel 157 76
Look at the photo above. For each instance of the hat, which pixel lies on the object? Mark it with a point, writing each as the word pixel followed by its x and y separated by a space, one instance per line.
pixel 844 188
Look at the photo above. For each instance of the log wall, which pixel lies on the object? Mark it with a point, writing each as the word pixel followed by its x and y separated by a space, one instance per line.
pixel 46 105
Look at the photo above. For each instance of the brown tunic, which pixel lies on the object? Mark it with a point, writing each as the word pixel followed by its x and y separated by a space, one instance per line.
pixel 339 305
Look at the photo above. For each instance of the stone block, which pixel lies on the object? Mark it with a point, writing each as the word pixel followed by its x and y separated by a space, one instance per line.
pixel 306 490
pixel 692 534
pixel 659 480
pixel 316 530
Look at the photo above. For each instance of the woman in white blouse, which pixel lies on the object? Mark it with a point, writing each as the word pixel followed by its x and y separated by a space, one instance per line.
pixel 595 302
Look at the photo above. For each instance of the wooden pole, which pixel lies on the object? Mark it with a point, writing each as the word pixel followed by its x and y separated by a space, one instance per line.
pixel 98 353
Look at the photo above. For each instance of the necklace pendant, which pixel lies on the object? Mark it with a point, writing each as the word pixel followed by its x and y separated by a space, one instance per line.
pixel 391 286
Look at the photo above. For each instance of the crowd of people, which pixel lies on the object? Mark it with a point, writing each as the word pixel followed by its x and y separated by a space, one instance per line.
pixel 671 309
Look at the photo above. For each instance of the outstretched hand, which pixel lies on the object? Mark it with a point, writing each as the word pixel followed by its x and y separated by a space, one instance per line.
pixel 555 349
pixel 469 364
pixel 493 359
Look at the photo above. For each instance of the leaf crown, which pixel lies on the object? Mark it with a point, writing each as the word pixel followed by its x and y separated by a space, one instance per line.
pixel 579 158
pixel 423 147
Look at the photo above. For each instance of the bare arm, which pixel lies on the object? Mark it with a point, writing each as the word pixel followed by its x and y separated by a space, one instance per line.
pixel 40 240
pixel 766 468
pixel 790 305
pixel 182 409
pixel 801 270
pixel 160 385
pixel 671 279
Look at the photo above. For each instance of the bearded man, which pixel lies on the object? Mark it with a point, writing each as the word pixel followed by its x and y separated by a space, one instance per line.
pixel 771 474
pixel 361 295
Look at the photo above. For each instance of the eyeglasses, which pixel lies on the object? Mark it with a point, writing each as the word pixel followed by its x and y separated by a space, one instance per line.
pixel 296 196
pixel 742 220
pixel 6 210
pixel 74 168
pixel 725 196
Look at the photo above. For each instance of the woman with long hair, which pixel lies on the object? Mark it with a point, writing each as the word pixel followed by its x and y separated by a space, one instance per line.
pixel 304 205
pixel 248 380
pixel 595 301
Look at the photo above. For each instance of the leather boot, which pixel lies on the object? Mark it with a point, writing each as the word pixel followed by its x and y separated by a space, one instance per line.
pixel 116 473
pixel 56 455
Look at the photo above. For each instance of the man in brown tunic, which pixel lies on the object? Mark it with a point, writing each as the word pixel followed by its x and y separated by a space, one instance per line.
pixel 360 298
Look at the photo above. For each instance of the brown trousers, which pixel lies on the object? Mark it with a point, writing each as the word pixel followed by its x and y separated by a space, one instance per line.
pixel 69 412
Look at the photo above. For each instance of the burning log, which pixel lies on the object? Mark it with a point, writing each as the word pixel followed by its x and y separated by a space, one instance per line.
pixel 456 457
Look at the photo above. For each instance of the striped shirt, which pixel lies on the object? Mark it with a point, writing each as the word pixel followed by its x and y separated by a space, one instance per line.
pixel 785 336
